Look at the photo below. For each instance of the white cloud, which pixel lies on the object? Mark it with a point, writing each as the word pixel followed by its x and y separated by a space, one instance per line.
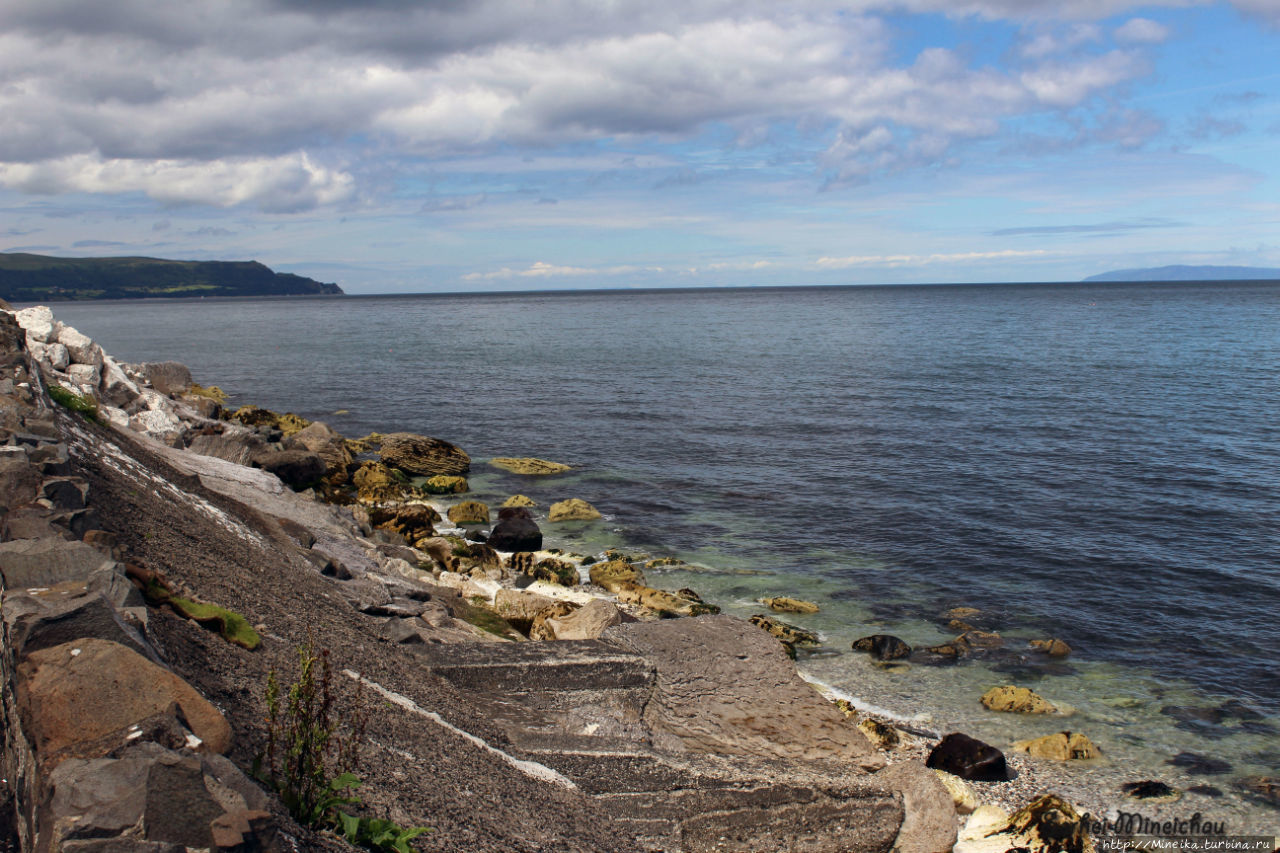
pixel 922 260
pixel 1142 31
pixel 542 269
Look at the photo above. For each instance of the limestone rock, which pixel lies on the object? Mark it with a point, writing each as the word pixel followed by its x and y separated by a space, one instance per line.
pixel 968 758
pixel 447 484
pixel 418 454
pixel 469 512
pixel 1062 746
pixel 38 323
pixel 573 509
pixel 881 734
pixel 527 465
pixel 540 629
pixel 883 647
pixel 84 690
pixel 85 375
pixel 81 349
pixel 614 574
pixel 783 604
pixel 588 622
pixel 519 500
pixel 516 534
pixel 168 377
pixel 785 632
pixel 962 796
pixel 520 607
pixel 1016 700
pixel 1046 824
pixel 1052 647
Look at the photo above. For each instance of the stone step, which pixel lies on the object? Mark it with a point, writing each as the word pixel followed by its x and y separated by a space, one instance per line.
pixel 507 668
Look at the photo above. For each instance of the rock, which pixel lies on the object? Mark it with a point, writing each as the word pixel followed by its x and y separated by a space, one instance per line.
pixel 446 484
pixel 439 549
pixel 929 823
pixel 514 512
pixel 469 512
pixel 116 388
pixel 516 534
pixel 82 691
pixel 412 521
pixel 520 608
pixel 29 563
pixel 588 622
pixel 789 605
pixel 1062 746
pixel 376 484
pixel 481 555
pixel 1046 824
pixel 979 640
pixel 968 758
pixel 37 322
pixel 1054 648
pixel 785 632
pixel 85 375
pixel 540 630
pixel 1149 789
pixel 71 611
pixel 573 509
pixel 883 647
pixel 947 653
pixel 65 492
pixel 556 571
pixel 884 736
pixel 330 446
pixel 1200 765
pixel 81 349
pixel 418 454
pixel 288 424
pixel 57 356
pixel 518 500
pixel 528 465
pixel 614 574
pixel 168 377
pixel 962 796
pixel 234 445
pixel 662 602
pixel 297 469
pixel 1265 789
pixel 19 482
pixel 1016 700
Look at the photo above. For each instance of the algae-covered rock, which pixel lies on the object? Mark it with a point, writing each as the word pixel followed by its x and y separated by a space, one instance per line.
pixel 527 465
pixel 543 626
pixel 330 446
pixel 785 632
pixel 376 483
pixel 782 604
pixel 1016 700
pixel 573 509
pixel 556 571
pixel 256 416
pixel 518 501
pixel 614 574
pixel 883 647
pixel 1052 647
pixel 662 602
pixel 367 444
pixel 446 484
pixel 884 736
pixel 469 512
pixel 1062 746
pixel 419 454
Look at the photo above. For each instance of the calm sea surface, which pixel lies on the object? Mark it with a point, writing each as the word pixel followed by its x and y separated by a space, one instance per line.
pixel 1099 463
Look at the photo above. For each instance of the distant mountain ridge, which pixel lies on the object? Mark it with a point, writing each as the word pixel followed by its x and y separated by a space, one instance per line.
pixel 42 278
pixel 1189 273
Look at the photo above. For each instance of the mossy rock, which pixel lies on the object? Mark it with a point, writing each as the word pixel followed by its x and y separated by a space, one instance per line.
pixel 528 465
pixel 519 500
pixel 233 627
pixel 368 444
pixel 1016 700
pixel 782 604
pixel 785 632
pixel 557 572
pixel 469 512
pixel 614 574
pixel 664 562
pixel 573 509
pixel 446 484
pixel 73 402
pixel 213 392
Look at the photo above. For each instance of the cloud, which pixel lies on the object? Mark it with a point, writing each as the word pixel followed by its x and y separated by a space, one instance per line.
pixel 542 269
pixel 923 260
pixel 1142 31
pixel 96 244
pixel 1116 227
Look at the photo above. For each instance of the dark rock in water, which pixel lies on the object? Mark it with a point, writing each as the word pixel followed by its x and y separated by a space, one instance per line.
pixel 297 468
pixel 514 512
pixel 882 647
pixel 1257 727
pixel 477 536
pixel 1200 765
pixel 1264 788
pixel 1148 789
pixel 516 534
pixel 948 653
pixel 1184 714
pixel 418 454
pixel 1234 709
pixel 968 758
pixel 1205 790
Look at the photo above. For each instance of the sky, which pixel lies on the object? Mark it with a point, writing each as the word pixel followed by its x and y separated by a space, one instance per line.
pixel 398 146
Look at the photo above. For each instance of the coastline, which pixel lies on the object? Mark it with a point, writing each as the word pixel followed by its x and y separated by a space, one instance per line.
pixel 1034 778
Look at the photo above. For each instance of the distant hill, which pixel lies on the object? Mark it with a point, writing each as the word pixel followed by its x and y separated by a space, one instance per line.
pixel 40 278
pixel 1187 273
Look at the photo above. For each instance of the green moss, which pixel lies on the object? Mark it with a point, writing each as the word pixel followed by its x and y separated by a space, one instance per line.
pixel 487 620
pixel 73 402
pixel 213 392
pixel 233 627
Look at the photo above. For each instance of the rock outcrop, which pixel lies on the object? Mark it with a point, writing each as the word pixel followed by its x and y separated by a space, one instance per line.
pixel 573 509
pixel 528 465
pixel 423 456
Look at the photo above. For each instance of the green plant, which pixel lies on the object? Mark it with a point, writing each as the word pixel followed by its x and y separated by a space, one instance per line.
pixel 311 761
pixel 73 402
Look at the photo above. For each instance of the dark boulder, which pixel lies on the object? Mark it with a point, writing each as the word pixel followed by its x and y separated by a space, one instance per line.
pixel 882 647
pixel 968 758
pixel 418 454
pixel 168 377
pixel 516 534
pixel 1148 789
pixel 514 512
pixel 298 469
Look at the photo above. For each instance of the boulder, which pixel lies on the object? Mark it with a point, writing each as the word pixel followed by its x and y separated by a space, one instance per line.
pixel 85 375
pixel 528 465
pixel 1047 823
pixel 662 602
pixel 412 521
pixel 519 500
pixel 783 604
pixel 516 534
pixel 962 796
pixel 929 822
pixel 297 469
pixel 973 640
pixel 540 629
pixel 514 512
pixel 30 563
pixel 330 446
pixel 82 691
pixel 1016 700
pixel 446 484
pixel 69 611
pixel 556 571
pixel 233 445
pixel 615 574
pixel 81 349
pixel 968 758
pixel 469 512
pixel 588 622
pixel 1062 746
pixel 418 454
pixel 1052 647
pixel 168 377
pixel 520 608
pixel 439 550
pixel 376 484
pixel 787 633
pixel 38 323
pixel 116 388
pixel 573 509
pixel 883 647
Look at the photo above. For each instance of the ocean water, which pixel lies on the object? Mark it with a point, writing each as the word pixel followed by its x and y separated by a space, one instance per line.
pixel 1098 463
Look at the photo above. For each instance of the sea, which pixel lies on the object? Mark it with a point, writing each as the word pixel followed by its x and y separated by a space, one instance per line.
pixel 1098 463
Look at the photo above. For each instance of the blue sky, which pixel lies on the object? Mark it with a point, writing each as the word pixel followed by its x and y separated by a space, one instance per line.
pixel 398 146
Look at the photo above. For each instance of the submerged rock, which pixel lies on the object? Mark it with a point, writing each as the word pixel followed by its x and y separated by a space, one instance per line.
pixel 882 647
pixel 418 454
pixel 968 758
pixel 1150 789
pixel 782 604
pixel 1200 765
pixel 528 465
pixel 787 633
pixel 1016 700
pixel 1063 746
pixel 573 509
pixel 1052 647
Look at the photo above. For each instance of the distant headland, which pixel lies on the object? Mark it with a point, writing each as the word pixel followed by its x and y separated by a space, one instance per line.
pixel 41 278
pixel 1190 273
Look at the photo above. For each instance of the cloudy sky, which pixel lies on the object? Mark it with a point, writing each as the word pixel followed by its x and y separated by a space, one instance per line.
pixel 428 145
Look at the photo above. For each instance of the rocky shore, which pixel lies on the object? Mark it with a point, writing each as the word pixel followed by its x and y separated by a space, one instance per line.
pixel 163 556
